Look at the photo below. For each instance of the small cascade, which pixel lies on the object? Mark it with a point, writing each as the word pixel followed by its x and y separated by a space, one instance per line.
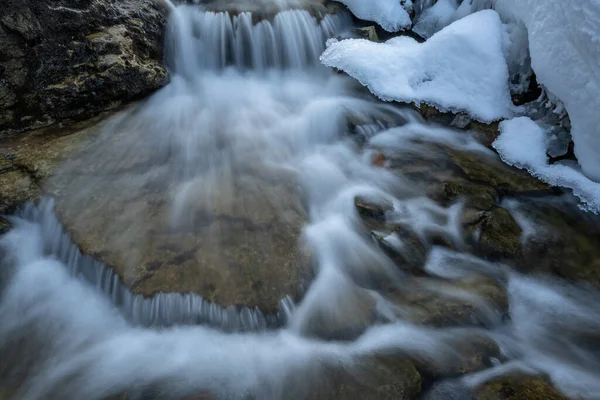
pixel 293 39
pixel 159 310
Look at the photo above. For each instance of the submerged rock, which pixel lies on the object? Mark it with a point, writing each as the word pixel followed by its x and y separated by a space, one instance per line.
pixel 64 60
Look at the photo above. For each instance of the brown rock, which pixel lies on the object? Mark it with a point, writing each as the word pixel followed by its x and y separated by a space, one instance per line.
pixel 518 388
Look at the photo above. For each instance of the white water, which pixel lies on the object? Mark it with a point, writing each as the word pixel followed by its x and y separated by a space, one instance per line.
pixel 253 96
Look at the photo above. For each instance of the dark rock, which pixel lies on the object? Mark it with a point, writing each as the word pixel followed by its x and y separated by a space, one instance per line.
pixel 439 303
pixel 372 209
pixel 480 197
pixel 494 173
pixel 518 388
pixel 381 377
pixel 369 33
pixel 500 235
pixel 65 60
pixel 567 245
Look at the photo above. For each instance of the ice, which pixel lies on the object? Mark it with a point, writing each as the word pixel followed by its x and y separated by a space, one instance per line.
pixel 461 68
pixel 433 19
pixel 392 15
pixel 522 143
pixel 564 40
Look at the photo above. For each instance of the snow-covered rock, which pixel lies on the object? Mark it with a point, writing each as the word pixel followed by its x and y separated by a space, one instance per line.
pixel 522 143
pixel 564 40
pixel 460 68
pixel 392 15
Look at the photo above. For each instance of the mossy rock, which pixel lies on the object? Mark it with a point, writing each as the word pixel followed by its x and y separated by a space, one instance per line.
pixel 518 388
pixel 500 235
pixel 496 174
pixel 480 197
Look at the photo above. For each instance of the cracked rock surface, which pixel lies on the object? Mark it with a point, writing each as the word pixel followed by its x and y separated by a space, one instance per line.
pixel 71 59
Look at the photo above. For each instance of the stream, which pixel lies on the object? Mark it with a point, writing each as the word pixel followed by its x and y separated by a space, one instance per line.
pixel 230 237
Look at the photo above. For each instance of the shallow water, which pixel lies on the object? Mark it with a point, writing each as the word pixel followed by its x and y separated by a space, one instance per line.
pixel 252 127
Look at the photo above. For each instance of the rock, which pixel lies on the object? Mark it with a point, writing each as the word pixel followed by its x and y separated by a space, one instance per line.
pixel 566 244
pixel 27 160
pixel 371 209
pixel 496 174
pixel 518 388
pixel 500 235
pixel 343 321
pixel 405 248
pixel 369 33
pixel 480 197
pixel 235 241
pixel 4 226
pixel 381 377
pixel 439 303
pixel 485 133
pixel 461 121
pixel 65 60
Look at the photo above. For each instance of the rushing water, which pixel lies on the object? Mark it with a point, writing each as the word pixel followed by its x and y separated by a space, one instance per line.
pixel 250 96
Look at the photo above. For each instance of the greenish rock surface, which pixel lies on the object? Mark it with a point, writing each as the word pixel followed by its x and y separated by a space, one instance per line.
pixel 518 388
pixel 500 235
pixel 493 172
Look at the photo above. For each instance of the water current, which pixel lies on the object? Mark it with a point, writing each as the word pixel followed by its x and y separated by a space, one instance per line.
pixel 253 128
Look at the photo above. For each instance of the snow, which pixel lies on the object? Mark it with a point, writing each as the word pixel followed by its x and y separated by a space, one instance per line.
pixel 522 143
pixel 460 68
pixel 390 14
pixel 564 40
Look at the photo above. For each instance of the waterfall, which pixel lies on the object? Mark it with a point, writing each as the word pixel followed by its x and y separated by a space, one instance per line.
pixel 205 40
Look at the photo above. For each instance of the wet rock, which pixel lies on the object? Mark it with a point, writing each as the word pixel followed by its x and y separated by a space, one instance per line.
pixel 372 209
pixel 480 197
pixel 235 242
pixel 382 377
pixel 17 186
pixel 343 321
pixel 27 160
pixel 496 174
pixel 500 235
pixel 518 388
pixel 485 133
pixel 472 301
pixel 405 248
pixel 566 244
pixel 63 60
pixel 472 353
pixel 369 33
pixel 4 226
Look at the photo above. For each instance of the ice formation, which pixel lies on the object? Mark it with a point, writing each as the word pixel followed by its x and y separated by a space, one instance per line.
pixel 392 15
pixel 522 143
pixel 460 68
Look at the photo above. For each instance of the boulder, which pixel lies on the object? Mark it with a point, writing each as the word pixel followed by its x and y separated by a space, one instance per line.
pixel 69 60
pixel 518 388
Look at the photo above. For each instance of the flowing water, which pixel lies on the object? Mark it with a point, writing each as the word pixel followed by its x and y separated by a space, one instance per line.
pixel 254 131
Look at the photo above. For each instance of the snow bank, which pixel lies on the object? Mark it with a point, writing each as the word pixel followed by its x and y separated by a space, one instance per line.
pixel 564 40
pixel 522 143
pixel 390 14
pixel 461 68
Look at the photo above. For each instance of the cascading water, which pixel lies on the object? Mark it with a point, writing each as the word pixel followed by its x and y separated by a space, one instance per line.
pixel 253 135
